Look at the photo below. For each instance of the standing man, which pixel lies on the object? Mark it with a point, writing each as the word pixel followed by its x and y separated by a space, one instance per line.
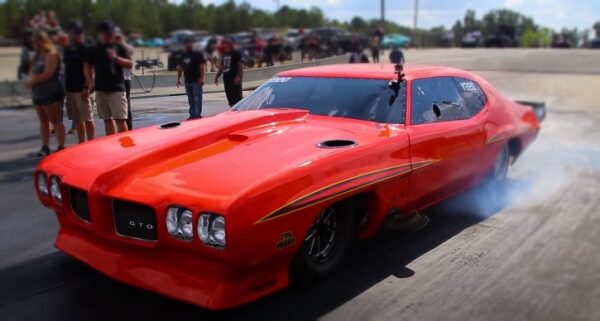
pixel 120 38
pixel 192 64
pixel 79 107
pixel 396 56
pixel 103 70
pixel 232 69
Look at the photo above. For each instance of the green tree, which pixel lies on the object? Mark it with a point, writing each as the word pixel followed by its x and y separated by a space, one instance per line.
pixel 596 28
pixel 495 19
pixel 535 38
pixel 359 24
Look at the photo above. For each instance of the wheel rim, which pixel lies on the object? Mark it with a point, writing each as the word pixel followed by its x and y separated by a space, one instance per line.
pixel 501 164
pixel 322 237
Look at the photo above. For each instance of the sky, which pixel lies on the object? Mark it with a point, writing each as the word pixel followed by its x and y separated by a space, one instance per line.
pixel 555 14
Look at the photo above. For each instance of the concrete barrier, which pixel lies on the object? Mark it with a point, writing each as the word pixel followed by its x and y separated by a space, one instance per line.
pixel 13 91
pixel 146 82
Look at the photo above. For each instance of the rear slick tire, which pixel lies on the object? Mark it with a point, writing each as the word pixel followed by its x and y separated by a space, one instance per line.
pixel 326 244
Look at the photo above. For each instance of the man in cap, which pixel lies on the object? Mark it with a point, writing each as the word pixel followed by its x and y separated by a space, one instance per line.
pixel 79 107
pixel 103 69
pixel 192 65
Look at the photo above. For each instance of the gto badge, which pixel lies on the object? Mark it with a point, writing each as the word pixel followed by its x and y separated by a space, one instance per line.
pixel 286 240
pixel 141 225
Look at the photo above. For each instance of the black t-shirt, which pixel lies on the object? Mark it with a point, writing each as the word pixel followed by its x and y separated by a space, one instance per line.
pixel 190 61
pixel 231 64
pixel 73 57
pixel 396 56
pixel 109 74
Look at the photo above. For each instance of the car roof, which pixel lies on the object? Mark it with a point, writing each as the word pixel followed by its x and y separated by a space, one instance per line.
pixel 374 71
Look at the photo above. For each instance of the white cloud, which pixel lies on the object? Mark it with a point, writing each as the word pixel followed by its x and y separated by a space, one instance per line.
pixel 313 2
pixel 513 3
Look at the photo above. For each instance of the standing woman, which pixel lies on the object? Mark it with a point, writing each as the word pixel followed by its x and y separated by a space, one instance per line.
pixel 47 90
pixel 375 49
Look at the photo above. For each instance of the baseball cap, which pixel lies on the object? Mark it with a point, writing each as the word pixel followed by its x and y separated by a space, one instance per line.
pixel 75 27
pixel 106 26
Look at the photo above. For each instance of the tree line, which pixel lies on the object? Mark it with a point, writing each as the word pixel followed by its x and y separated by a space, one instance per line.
pixel 156 18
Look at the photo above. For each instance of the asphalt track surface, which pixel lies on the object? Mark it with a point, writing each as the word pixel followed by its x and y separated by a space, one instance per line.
pixel 525 251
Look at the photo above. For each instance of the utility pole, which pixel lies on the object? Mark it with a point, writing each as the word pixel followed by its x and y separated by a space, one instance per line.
pixel 382 13
pixel 415 20
pixel 110 10
pixel 25 20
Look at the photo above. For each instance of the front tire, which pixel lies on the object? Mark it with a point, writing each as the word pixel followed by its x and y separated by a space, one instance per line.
pixel 326 244
pixel 501 164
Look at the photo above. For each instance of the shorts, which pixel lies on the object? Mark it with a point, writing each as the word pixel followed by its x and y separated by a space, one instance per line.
pixel 79 109
pixel 55 97
pixel 111 104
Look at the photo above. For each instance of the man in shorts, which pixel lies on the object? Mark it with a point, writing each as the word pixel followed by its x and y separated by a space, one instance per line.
pixel 79 107
pixel 103 70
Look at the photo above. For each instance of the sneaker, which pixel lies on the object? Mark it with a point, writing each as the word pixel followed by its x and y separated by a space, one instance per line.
pixel 60 148
pixel 71 131
pixel 45 151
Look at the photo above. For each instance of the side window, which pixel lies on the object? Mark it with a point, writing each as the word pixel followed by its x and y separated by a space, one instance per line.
pixel 472 95
pixel 437 99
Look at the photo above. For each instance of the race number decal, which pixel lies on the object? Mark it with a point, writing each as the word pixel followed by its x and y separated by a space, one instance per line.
pixel 468 86
pixel 280 79
pixel 226 63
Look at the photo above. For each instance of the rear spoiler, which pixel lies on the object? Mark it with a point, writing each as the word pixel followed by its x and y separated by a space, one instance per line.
pixel 539 108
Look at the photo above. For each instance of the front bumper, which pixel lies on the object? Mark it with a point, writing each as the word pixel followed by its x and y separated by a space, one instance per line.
pixel 178 274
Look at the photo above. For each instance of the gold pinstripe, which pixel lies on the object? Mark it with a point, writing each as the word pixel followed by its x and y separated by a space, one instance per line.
pixel 420 164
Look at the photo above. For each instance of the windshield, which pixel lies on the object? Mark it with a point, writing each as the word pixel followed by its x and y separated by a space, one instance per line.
pixel 365 99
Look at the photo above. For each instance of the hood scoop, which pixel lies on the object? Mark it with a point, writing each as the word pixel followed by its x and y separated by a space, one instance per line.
pixel 336 143
pixel 170 125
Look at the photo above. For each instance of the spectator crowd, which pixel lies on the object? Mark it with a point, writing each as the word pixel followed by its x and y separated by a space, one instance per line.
pixel 64 70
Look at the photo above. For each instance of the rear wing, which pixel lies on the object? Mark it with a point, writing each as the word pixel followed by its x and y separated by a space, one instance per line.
pixel 539 108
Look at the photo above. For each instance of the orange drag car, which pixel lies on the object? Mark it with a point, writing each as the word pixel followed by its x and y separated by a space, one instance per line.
pixel 224 210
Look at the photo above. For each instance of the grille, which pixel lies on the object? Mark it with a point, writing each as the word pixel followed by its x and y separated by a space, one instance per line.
pixel 134 220
pixel 79 204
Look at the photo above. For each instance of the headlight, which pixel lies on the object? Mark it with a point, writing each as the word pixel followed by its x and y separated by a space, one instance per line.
pixel 42 183
pixel 55 189
pixel 179 223
pixel 211 230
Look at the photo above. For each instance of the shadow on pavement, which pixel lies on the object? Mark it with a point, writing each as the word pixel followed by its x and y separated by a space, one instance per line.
pixel 20 169
pixel 19 139
pixel 56 287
